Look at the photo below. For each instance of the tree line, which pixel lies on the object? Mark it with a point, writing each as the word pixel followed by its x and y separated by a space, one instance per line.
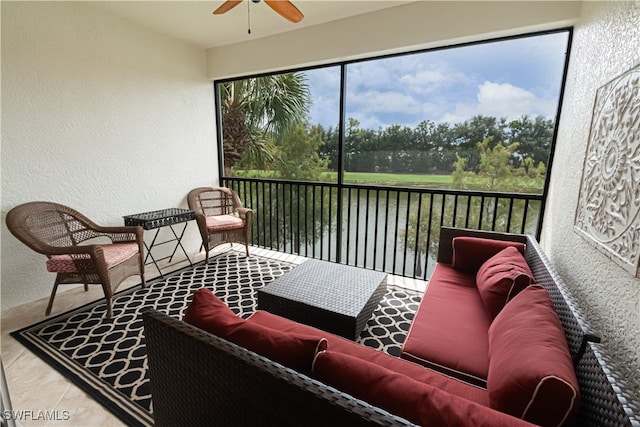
pixel 434 148
pixel 267 133
pixel 266 126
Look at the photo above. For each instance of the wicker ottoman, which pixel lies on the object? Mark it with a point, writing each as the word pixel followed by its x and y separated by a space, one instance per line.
pixel 332 297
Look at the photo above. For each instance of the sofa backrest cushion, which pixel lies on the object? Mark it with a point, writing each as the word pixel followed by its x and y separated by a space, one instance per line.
pixel 211 314
pixel 501 278
pixel 469 253
pixel 399 394
pixel 531 374
pixel 345 346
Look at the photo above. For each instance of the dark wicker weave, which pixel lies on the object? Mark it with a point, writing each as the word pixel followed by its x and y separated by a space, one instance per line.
pixel 333 297
pixel 53 229
pixel 212 201
pixel 159 218
pixel 198 379
pixel 605 401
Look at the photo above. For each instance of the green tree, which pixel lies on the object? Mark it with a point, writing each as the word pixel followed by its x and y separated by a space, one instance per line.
pixel 459 173
pixel 424 228
pixel 466 135
pixel 295 210
pixel 534 136
pixel 494 213
pixel 298 155
pixel 495 163
pixel 255 110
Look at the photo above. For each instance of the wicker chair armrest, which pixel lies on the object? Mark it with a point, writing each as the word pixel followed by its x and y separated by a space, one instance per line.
pixel 201 220
pixel 243 212
pixel 71 250
pixel 95 251
pixel 121 234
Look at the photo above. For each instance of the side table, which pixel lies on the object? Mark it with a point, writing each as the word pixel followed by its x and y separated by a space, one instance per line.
pixel 155 220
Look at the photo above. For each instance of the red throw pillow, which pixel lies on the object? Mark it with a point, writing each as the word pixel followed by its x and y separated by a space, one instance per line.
pixel 211 314
pixel 501 278
pixel 208 312
pixel 401 395
pixel 531 374
pixel 469 253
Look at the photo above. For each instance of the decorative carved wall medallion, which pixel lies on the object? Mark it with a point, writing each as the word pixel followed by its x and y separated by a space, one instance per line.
pixel 608 211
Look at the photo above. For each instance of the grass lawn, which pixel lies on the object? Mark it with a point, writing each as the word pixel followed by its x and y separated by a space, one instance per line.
pixel 396 179
pixel 475 182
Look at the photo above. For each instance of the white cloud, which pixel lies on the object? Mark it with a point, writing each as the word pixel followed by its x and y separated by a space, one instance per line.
pixel 382 102
pixel 501 100
pixel 504 98
pixel 503 79
pixel 428 78
pixel 379 109
pixel 424 78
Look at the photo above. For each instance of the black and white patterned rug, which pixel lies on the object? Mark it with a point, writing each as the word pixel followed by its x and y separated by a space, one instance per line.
pixel 107 357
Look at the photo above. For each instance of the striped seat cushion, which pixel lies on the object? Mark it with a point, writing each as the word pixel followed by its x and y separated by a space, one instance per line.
pixel 114 254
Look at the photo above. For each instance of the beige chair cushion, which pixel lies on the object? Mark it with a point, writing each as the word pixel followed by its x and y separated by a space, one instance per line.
pixel 224 222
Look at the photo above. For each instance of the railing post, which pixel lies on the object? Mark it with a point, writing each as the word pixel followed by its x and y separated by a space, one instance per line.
pixel 394 219
pixel 343 87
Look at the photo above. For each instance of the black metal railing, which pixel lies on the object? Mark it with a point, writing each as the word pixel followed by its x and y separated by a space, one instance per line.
pixel 391 229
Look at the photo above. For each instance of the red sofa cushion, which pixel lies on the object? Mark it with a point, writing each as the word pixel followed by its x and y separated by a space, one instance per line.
pixel 345 346
pixel 211 314
pixel 501 278
pixel 449 331
pixel 469 253
pixel 531 373
pixel 399 394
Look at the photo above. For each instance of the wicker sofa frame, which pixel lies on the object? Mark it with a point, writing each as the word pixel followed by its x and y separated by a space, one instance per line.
pixel 199 379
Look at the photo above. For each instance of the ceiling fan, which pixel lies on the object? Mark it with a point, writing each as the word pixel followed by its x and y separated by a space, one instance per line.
pixel 284 8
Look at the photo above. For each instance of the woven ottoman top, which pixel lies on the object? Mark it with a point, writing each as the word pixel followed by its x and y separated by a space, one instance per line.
pixel 340 288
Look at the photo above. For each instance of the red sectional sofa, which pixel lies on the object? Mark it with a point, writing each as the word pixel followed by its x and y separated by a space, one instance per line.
pixel 475 355
pixel 373 376
pixel 484 321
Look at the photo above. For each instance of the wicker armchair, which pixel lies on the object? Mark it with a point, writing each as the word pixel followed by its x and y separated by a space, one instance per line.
pixel 78 250
pixel 220 216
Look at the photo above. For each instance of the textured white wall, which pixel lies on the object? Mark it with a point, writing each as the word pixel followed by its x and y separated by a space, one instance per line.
pixel 606 43
pixel 98 114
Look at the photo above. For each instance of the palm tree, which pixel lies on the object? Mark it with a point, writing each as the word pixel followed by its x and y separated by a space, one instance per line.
pixel 256 111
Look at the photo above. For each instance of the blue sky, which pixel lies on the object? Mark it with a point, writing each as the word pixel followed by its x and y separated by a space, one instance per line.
pixel 503 79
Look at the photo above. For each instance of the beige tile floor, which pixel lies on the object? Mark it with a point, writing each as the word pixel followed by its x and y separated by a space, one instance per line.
pixel 41 392
pixel 33 385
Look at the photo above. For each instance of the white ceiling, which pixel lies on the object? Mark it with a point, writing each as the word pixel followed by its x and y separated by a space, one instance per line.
pixel 193 21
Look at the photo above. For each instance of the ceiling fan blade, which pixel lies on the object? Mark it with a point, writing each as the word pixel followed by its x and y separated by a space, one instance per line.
pixel 226 6
pixel 286 9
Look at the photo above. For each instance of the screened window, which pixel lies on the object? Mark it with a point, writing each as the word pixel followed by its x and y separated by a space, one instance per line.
pixel 363 162
pixel 479 116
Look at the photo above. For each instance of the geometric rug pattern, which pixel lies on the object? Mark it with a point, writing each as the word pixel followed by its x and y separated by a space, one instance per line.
pixel 107 357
